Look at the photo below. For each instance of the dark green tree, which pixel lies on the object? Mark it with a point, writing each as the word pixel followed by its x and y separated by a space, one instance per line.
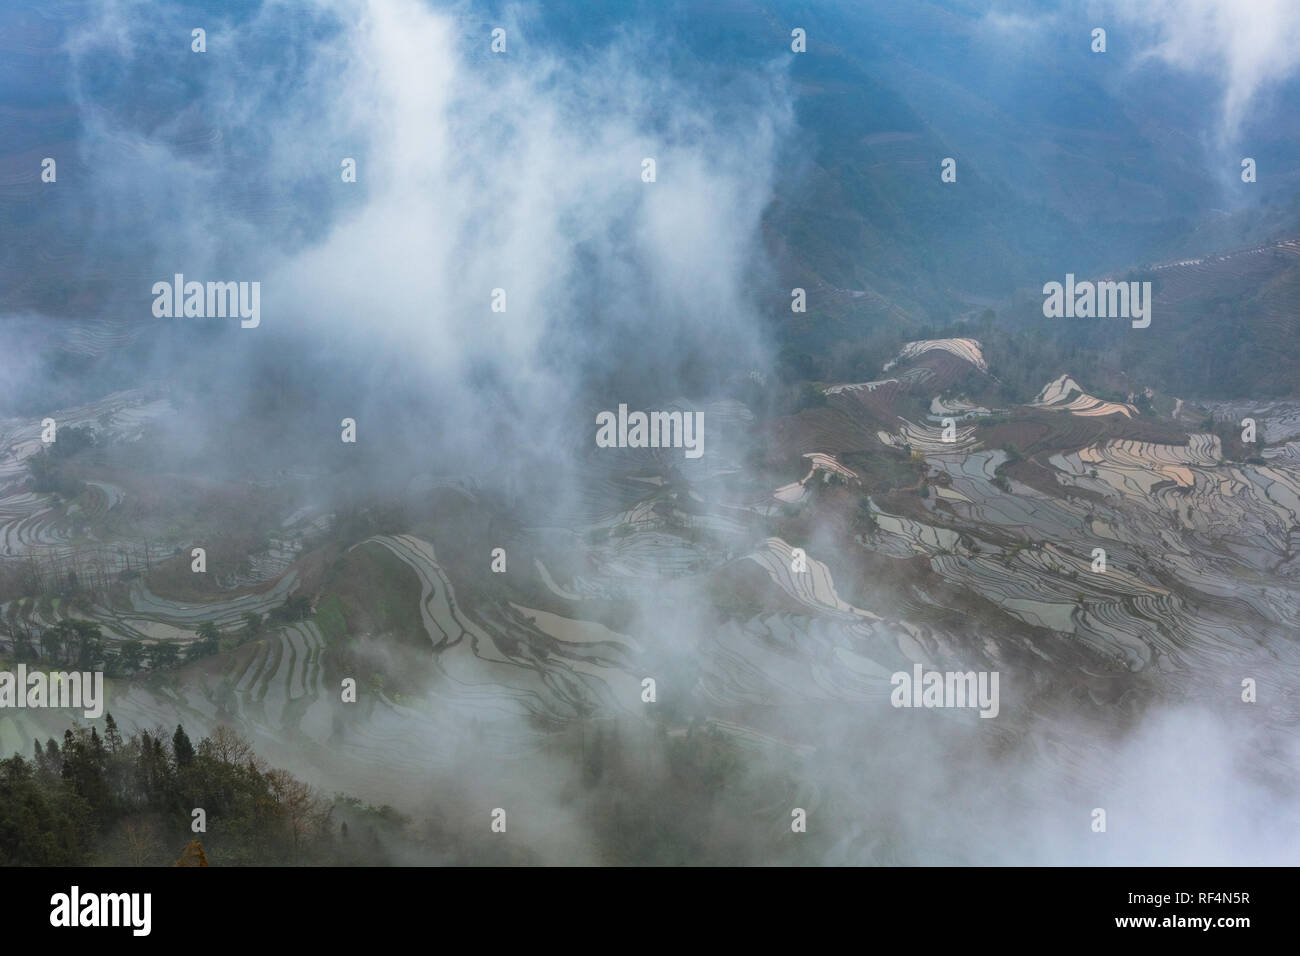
pixel 209 638
pixel 182 748
pixel 164 654
pixel 112 736
pixel 132 656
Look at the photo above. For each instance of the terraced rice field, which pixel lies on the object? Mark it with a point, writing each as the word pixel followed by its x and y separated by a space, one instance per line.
pixel 1067 395
pixel 968 350
pixel 1201 576
pixel 488 665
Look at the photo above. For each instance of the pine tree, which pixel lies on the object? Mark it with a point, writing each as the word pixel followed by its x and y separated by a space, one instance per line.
pixel 182 748
pixel 112 736
pixel 144 770
pixel 69 746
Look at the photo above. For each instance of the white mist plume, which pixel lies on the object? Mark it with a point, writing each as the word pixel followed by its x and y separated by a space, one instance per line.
pixel 1249 47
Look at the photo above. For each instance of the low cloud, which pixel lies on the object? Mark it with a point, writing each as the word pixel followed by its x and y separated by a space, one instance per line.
pixel 1249 48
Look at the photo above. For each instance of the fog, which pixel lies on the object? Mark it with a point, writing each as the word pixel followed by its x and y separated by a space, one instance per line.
pixel 523 172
